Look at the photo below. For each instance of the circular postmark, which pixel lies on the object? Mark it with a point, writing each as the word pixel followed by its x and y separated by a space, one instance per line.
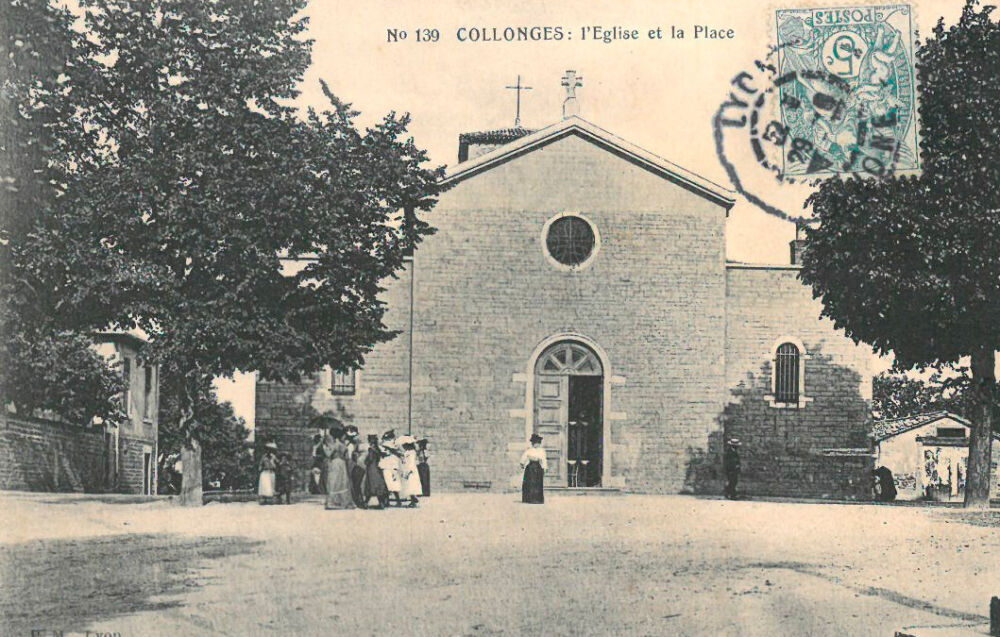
pixel 835 96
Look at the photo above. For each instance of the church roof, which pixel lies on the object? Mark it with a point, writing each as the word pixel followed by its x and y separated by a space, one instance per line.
pixel 612 143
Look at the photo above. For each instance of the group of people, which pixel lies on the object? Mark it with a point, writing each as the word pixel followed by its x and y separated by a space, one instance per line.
pixel 275 483
pixel 351 474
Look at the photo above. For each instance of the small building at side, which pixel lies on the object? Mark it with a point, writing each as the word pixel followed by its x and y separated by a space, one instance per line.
pixel 40 452
pixel 928 455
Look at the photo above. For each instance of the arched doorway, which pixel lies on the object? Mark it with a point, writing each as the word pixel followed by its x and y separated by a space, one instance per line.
pixel 569 413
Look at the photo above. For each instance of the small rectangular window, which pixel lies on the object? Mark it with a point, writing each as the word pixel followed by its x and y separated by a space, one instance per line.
pixel 147 402
pixel 344 383
pixel 951 432
pixel 127 379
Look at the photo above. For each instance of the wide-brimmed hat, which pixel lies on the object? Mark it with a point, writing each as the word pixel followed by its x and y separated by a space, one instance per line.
pixel 272 445
pixel 535 438
pixel 734 442
pixel 389 435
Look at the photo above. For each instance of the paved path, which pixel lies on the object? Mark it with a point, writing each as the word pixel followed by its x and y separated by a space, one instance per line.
pixel 483 564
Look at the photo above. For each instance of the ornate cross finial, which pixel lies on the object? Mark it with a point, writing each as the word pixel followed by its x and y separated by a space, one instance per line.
pixel 571 82
pixel 518 87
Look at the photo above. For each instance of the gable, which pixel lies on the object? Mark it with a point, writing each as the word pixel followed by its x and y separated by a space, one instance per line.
pixel 580 129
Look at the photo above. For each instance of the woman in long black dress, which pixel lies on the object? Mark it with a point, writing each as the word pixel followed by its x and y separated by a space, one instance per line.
pixel 534 464
pixel 423 469
pixel 374 482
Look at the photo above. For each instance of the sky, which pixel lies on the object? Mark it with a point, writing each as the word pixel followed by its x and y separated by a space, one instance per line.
pixel 660 94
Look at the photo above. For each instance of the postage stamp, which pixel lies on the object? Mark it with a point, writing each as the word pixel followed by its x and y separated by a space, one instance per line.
pixel 846 90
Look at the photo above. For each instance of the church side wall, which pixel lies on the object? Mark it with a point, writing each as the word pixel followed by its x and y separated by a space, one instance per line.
pixel 782 450
pixel 284 410
pixel 653 300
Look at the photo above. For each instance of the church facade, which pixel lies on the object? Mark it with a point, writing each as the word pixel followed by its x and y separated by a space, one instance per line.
pixel 578 287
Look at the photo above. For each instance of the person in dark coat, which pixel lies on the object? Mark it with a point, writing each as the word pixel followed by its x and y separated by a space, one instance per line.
pixel 423 468
pixel 374 483
pixel 885 485
pixel 731 467
pixel 317 482
pixel 534 464
pixel 355 471
pixel 283 479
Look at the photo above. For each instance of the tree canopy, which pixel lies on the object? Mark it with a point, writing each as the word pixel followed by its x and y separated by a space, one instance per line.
pixel 908 264
pixel 199 205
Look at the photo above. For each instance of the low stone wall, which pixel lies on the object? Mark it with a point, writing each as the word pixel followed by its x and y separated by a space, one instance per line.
pixel 39 455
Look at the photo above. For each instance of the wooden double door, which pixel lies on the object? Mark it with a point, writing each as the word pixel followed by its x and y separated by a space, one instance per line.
pixel 569 392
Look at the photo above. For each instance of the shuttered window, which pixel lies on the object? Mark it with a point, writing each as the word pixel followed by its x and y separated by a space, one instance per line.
pixel 786 374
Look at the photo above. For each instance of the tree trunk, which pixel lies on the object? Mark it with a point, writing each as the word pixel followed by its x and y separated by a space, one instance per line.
pixel 191 450
pixel 978 478
pixel 191 468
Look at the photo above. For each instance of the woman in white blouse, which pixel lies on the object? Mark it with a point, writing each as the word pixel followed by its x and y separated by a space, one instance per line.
pixel 534 465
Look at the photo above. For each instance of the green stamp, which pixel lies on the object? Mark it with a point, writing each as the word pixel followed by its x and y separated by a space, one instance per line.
pixel 846 90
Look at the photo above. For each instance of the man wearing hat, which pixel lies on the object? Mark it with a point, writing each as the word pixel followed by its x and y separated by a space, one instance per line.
pixel 534 464
pixel 423 468
pixel 731 466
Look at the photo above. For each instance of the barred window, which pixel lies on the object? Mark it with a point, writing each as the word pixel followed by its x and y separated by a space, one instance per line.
pixel 570 240
pixel 786 374
pixel 344 383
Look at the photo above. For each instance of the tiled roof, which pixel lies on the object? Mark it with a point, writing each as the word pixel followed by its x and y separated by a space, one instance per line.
pixel 499 136
pixel 882 429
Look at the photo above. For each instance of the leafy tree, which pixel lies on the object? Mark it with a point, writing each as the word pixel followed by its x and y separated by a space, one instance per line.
pixel 896 395
pixel 61 373
pixel 908 264
pixel 42 367
pixel 205 180
pixel 227 456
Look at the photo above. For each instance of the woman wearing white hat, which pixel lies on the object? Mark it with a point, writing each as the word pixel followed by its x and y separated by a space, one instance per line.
pixel 268 465
pixel 409 476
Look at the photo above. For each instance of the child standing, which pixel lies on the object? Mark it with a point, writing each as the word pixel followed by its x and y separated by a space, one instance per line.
pixel 390 465
pixel 409 476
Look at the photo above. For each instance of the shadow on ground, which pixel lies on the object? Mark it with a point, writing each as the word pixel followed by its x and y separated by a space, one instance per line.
pixel 886 594
pixel 67 584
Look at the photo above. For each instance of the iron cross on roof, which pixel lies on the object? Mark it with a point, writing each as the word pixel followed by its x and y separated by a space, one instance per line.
pixel 518 87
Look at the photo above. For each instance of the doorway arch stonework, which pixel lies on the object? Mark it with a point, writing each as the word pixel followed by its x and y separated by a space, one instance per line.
pixel 528 410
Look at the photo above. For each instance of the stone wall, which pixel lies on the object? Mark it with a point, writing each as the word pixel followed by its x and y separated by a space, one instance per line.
pixel 486 295
pixel 785 448
pixel 685 340
pixel 37 455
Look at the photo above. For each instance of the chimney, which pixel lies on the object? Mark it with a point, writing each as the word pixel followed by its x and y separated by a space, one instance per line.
pixel 798 245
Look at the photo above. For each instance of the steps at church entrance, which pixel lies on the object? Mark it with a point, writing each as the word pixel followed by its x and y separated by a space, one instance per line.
pixel 584 491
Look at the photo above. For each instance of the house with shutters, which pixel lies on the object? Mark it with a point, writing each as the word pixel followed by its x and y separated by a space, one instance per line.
pixel 578 287
pixel 42 452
